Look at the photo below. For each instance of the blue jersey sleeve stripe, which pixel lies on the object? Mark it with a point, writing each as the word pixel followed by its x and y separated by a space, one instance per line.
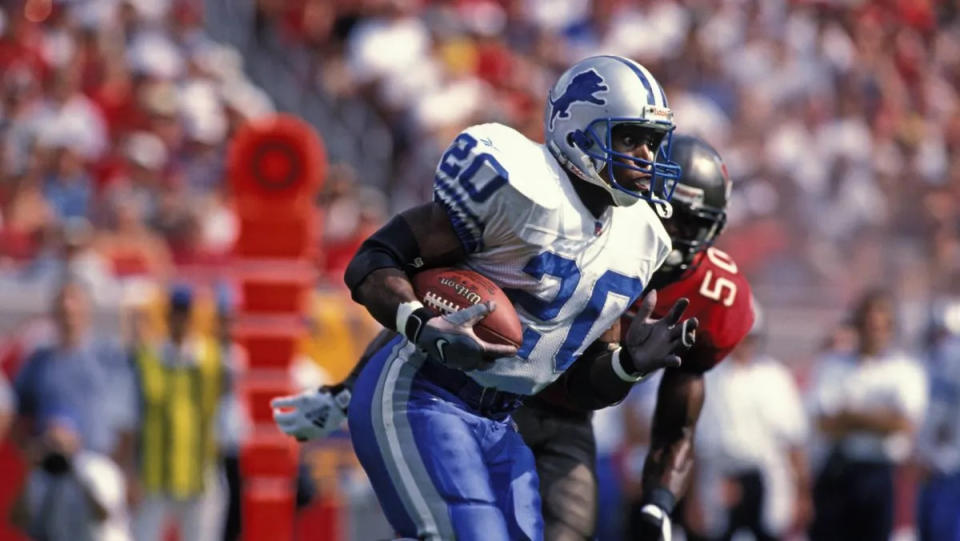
pixel 457 212
pixel 466 224
pixel 470 241
pixel 454 195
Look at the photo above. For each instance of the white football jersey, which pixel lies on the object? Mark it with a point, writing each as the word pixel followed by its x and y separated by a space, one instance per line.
pixel 569 275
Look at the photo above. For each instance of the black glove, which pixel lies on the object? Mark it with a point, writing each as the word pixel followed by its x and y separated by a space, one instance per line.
pixel 654 344
pixel 450 340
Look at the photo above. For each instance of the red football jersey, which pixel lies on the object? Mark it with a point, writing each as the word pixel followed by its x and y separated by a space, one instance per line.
pixel 719 298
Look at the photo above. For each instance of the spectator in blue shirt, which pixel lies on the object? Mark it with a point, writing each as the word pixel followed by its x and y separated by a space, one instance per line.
pixel 68 187
pixel 939 437
pixel 78 373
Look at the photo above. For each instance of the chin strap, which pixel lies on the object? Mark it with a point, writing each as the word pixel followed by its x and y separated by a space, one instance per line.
pixel 674 260
pixel 664 210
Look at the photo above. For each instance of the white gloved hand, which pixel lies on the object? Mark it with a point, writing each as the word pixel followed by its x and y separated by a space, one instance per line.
pixel 312 414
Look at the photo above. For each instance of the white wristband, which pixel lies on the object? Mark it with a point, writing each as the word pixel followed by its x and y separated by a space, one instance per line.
pixel 620 372
pixel 403 314
pixel 343 399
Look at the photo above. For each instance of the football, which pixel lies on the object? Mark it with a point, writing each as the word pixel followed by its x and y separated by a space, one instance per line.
pixel 448 290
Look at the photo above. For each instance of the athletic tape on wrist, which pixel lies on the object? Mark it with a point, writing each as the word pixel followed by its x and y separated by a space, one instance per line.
pixel 620 371
pixel 411 317
pixel 341 395
pixel 688 338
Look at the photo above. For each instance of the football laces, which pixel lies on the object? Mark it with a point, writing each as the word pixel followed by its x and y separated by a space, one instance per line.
pixel 440 304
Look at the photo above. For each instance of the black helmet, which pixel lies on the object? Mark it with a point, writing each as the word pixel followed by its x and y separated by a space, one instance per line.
pixel 699 202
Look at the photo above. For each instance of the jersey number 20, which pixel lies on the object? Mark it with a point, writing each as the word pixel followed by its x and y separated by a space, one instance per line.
pixel 564 269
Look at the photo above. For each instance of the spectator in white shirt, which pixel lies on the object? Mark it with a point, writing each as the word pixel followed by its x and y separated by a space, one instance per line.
pixel 867 406
pixel 750 446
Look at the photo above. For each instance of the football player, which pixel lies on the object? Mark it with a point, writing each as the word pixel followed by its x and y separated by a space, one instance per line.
pixel 559 430
pixel 557 227
pixel 561 436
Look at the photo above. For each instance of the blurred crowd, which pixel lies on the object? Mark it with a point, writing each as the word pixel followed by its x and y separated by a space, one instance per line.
pixel 113 129
pixel 866 447
pixel 839 122
pixel 846 454
pixel 115 118
pixel 125 435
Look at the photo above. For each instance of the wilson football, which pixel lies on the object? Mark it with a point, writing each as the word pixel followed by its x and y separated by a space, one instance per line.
pixel 447 290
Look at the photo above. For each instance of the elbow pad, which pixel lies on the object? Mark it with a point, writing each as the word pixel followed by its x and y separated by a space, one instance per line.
pixel 392 246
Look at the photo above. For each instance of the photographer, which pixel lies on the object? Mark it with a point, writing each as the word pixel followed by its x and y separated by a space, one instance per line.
pixel 70 420
pixel 72 493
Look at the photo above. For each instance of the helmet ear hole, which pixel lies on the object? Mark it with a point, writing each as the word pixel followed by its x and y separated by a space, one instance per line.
pixel 577 139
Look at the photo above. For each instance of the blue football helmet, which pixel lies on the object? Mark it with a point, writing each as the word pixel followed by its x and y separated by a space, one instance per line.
pixel 587 102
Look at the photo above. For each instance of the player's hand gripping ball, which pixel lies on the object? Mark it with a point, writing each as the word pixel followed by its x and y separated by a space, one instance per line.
pixel 478 322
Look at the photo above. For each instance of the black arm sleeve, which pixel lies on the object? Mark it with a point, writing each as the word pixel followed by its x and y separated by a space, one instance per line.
pixel 392 246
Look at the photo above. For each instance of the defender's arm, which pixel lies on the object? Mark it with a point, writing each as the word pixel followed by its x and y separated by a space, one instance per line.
pixel 316 413
pixel 590 383
pixel 669 465
pixel 679 401
pixel 605 373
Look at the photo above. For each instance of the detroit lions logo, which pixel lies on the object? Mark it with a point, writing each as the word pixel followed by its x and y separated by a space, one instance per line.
pixel 582 87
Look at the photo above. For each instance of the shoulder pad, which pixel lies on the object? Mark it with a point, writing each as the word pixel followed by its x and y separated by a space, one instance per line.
pixel 530 169
pixel 490 178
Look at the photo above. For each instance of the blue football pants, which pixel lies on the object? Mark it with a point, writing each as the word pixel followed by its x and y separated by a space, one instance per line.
pixel 440 469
